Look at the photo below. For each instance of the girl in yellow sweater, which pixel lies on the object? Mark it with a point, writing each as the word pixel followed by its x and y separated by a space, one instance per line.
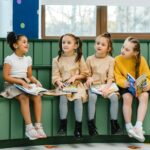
pixel 131 61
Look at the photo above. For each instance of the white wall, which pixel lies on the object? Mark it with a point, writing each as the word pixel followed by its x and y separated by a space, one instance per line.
pixel 6 7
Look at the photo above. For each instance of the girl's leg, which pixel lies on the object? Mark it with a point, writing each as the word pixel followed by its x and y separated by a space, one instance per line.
pixel 142 108
pixel 91 113
pixel 127 107
pixel 37 104
pixel 25 110
pixel 63 110
pixel 78 109
pixel 115 128
pixel 91 105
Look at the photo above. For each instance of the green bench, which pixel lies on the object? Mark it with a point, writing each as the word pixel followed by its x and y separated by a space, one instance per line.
pixel 12 124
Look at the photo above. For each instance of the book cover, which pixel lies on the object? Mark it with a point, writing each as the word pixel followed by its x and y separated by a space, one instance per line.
pixel 34 90
pixel 136 86
pixel 98 88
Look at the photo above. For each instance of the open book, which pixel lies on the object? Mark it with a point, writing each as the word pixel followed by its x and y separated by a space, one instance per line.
pixel 136 86
pixel 56 92
pixel 98 88
pixel 70 88
pixel 34 90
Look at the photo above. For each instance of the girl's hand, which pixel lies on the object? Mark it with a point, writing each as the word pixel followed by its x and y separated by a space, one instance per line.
pixel 126 84
pixel 105 92
pixel 89 82
pixel 60 84
pixel 38 83
pixel 146 88
pixel 26 85
pixel 71 80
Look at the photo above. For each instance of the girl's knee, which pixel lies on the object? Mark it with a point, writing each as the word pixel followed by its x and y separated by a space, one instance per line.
pixel 22 97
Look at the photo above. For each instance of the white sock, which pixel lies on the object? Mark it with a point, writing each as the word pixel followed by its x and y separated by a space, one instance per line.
pixel 138 124
pixel 129 125
pixel 29 126
pixel 38 124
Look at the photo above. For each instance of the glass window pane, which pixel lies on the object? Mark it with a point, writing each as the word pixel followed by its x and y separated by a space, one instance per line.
pixel 128 19
pixel 79 20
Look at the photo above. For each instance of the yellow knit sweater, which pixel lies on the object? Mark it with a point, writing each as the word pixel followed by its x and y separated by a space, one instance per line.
pixel 124 66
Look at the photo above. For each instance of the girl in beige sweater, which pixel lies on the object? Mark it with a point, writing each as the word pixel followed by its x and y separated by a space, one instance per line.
pixel 70 67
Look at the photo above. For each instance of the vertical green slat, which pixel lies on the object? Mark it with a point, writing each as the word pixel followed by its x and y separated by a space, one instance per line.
pixel 146 122
pixel 17 123
pixel 1 80
pixel 38 53
pixel 7 50
pixel 117 48
pixel 46 53
pixel 70 119
pixel 144 50
pixel 85 119
pixel 149 54
pixel 4 119
pixel 55 49
pixel 1 52
pixel 102 115
pixel 30 52
pixel 85 49
pixel 44 77
pixel 47 114
pixel 91 50
pixel 56 117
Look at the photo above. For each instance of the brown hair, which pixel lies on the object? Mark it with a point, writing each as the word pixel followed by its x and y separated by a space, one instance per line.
pixel 78 50
pixel 108 37
pixel 136 49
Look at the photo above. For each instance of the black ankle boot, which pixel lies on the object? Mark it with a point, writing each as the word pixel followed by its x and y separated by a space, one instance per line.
pixel 115 128
pixel 78 129
pixel 92 128
pixel 63 127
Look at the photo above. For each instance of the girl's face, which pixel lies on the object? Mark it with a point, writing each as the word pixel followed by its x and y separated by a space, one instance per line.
pixel 22 45
pixel 68 44
pixel 102 46
pixel 127 50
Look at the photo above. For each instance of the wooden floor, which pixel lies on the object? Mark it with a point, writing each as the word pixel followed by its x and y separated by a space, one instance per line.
pixel 88 146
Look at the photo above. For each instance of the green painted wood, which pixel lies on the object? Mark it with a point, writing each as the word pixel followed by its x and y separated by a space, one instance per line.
pixel 1 52
pixel 101 116
pixel 1 80
pixel 45 78
pixel 38 53
pixel 91 49
pixel 46 53
pixel 16 119
pixel 55 49
pixel 4 119
pixel 84 49
pixel 47 114
pixel 144 50
pixel 55 120
pixel 117 48
pixel 7 50
pixel 30 52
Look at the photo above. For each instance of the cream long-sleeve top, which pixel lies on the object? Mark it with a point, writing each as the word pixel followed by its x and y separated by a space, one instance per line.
pixel 101 70
pixel 66 67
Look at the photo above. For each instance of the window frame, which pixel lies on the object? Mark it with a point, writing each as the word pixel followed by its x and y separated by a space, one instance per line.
pixel 101 27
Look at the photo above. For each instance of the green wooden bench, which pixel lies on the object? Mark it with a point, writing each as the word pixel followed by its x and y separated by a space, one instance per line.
pixel 11 121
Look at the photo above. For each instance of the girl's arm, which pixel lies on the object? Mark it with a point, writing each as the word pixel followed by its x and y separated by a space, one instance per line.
pixel 32 78
pixel 12 80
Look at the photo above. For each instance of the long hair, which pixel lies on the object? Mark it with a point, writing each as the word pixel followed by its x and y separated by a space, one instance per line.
pixel 78 50
pixel 108 37
pixel 13 38
pixel 138 57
